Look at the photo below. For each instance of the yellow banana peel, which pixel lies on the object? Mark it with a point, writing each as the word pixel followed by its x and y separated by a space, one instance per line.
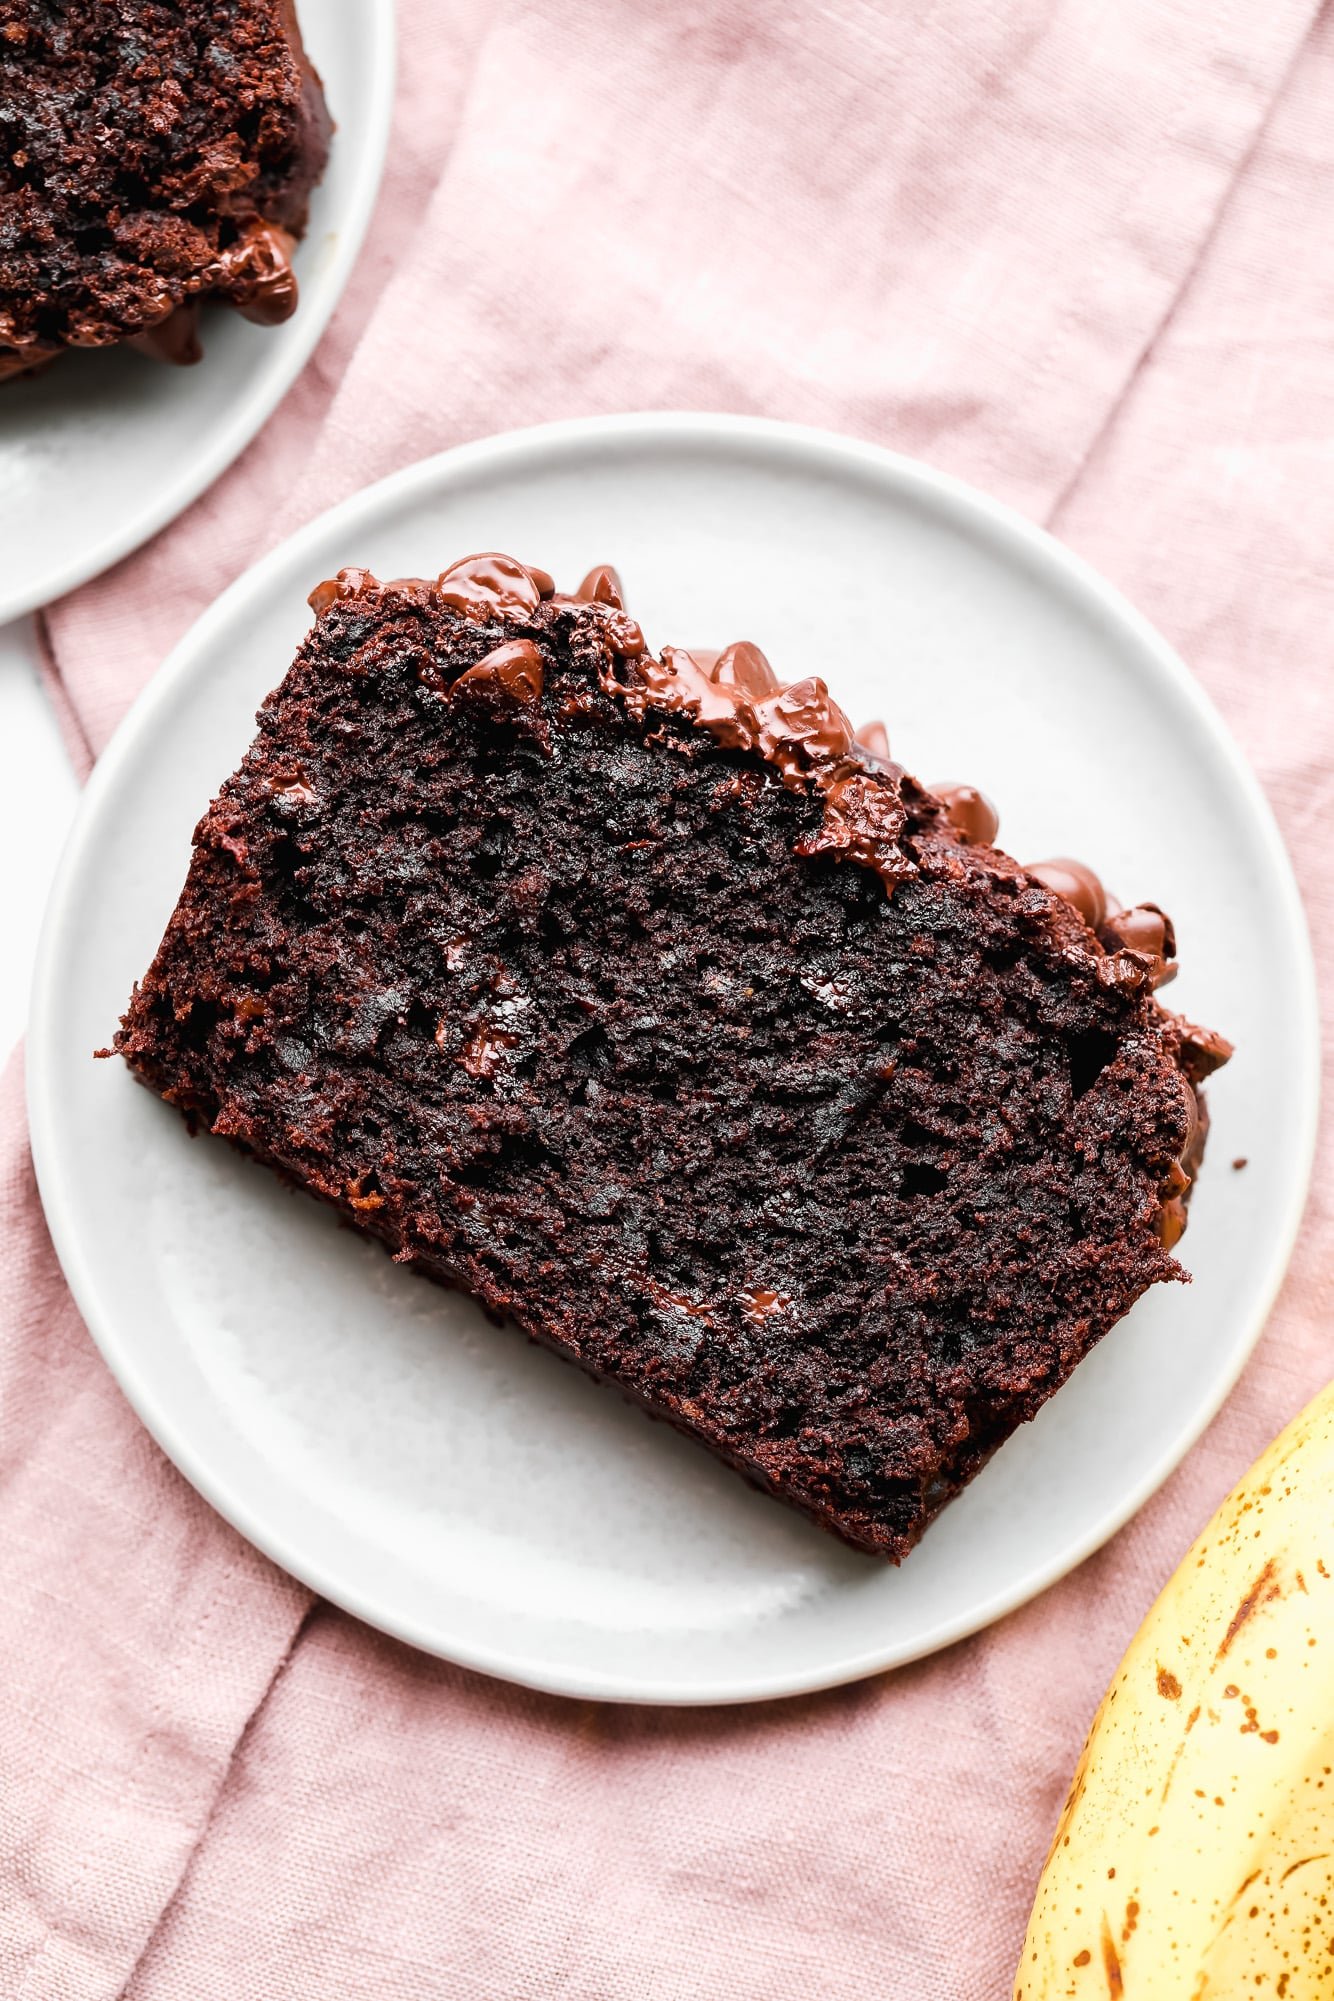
pixel 1194 1858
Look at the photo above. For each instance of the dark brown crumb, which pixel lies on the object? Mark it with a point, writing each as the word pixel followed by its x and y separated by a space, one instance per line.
pixel 1240 1162
pixel 842 1180
pixel 150 154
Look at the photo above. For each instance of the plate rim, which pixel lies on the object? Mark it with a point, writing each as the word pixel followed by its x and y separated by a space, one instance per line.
pixel 437 472
pixel 253 408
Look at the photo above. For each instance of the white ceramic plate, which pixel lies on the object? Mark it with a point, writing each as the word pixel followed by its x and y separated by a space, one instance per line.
pixel 442 1478
pixel 103 449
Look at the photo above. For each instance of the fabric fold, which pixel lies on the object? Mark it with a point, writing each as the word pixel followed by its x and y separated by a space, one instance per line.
pixel 139 1634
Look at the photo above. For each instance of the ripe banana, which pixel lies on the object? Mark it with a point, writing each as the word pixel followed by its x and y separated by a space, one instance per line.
pixel 1194 1858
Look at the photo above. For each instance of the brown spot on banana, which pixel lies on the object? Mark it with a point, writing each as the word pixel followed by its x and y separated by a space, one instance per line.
pixel 1293 1867
pixel 1191 1721
pixel 1243 1887
pixel 1264 1590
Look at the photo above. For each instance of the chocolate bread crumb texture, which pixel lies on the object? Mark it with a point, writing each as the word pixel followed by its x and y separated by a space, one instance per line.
pixel 151 157
pixel 652 1005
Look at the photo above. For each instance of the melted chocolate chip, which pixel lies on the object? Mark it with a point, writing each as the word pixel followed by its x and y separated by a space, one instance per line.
pixel 758 1302
pixel 625 637
pixel 743 666
pixel 174 340
pixel 678 681
pixel 796 728
pixel 1146 930
pixel 485 585
pixel 602 585
pixel 486 1052
pixel 802 726
pixel 970 811
pixel 1121 969
pixel 1203 1050
pixel 874 739
pixel 1171 1222
pixel 349 583
pixel 290 789
pixel 864 819
pixel 1076 883
pixel 1192 1147
pixel 510 676
pixel 1171 1218
pixel 256 273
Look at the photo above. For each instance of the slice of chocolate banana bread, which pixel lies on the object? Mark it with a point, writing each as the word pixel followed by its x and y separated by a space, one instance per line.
pixel 151 155
pixel 639 1000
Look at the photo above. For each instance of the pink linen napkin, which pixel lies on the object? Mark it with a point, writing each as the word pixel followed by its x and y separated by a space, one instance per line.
pixel 1075 251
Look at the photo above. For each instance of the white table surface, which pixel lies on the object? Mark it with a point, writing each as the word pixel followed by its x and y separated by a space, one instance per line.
pixel 38 794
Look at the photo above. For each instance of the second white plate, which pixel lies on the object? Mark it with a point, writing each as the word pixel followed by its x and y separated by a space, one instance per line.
pixel 440 1477
pixel 103 449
